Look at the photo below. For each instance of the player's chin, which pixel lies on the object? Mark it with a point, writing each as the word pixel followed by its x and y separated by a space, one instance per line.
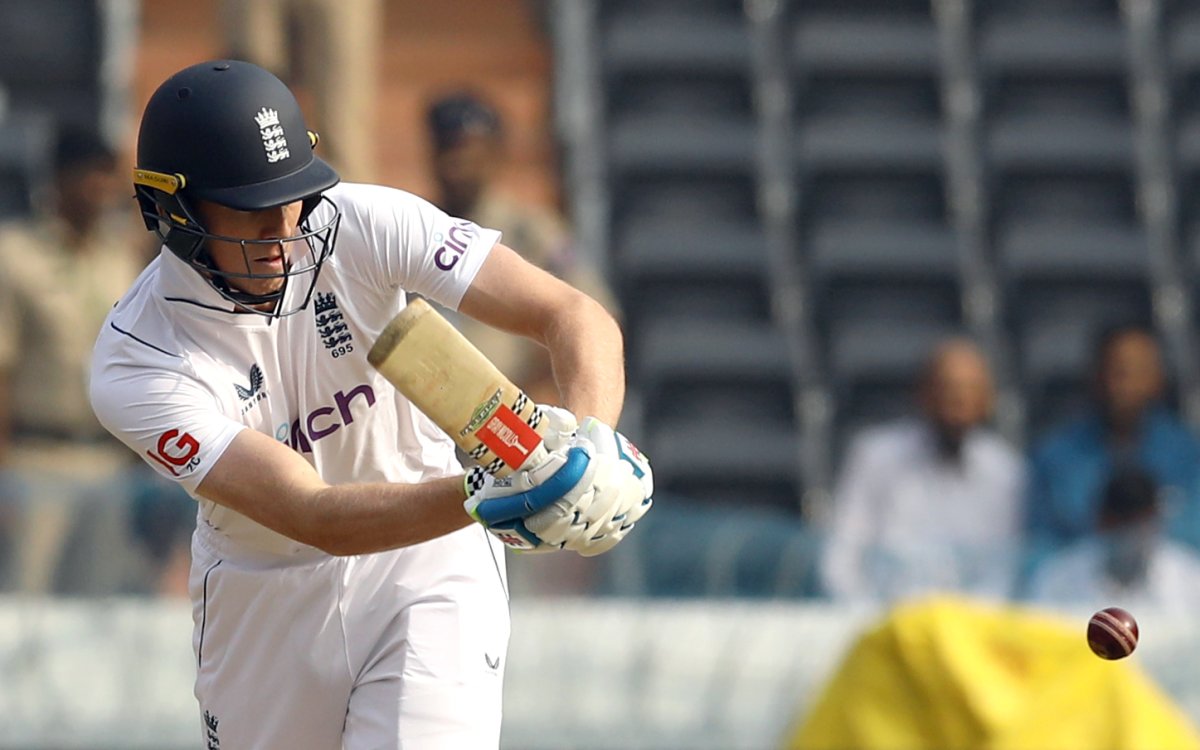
pixel 262 287
pixel 272 286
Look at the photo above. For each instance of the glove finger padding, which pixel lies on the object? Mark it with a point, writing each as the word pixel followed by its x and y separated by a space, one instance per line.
pixel 617 503
pixel 564 519
pixel 622 485
pixel 608 441
pixel 503 505
pixel 558 428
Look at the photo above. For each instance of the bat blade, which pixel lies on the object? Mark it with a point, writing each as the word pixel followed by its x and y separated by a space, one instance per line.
pixel 445 376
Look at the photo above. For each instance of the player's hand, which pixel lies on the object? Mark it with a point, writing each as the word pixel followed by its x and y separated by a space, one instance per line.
pixel 502 505
pixel 622 489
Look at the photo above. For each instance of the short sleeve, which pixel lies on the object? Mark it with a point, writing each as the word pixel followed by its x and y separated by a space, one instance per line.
pixel 166 417
pixel 408 243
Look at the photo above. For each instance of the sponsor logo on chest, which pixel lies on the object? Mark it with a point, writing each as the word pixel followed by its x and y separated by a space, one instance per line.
pixel 320 423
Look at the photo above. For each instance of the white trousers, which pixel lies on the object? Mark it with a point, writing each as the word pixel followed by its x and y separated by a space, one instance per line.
pixel 401 650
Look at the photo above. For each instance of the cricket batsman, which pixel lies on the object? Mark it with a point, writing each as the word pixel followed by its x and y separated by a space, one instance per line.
pixel 346 591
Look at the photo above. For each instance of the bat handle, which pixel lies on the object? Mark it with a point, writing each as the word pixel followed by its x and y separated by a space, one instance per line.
pixel 535 457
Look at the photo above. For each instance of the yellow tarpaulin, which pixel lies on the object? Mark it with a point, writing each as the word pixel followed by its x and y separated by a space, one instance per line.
pixel 949 674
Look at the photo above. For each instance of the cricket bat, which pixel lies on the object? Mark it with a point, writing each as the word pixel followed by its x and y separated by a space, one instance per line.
pixel 445 376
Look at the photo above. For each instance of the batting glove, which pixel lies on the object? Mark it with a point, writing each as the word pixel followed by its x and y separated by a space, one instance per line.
pixel 559 427
pixel 622 486
pixel 502 505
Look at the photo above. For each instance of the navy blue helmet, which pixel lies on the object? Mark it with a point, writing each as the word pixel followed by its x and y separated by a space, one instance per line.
pixel 231 133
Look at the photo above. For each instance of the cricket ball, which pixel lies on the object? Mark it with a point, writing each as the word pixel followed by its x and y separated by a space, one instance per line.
pixel 1112 633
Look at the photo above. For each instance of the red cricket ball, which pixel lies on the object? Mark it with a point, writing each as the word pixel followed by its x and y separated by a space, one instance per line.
pixel 1112 633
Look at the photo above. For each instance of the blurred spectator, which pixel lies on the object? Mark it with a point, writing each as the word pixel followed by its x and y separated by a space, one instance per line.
pixel 60 272
pixel 329 49
pixel 468 156
pixel 1128 426
pixel 1128 562
pixel 931 503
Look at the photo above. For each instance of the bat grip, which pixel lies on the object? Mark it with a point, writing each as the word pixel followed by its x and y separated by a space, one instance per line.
pixel 535 457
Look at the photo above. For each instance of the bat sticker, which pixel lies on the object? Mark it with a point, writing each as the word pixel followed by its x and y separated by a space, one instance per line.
pixel 509 437
pixel 481 414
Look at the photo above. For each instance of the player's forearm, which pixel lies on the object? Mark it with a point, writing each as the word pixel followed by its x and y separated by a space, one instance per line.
pixel 264 480
pixel 587 354
pixel 355 519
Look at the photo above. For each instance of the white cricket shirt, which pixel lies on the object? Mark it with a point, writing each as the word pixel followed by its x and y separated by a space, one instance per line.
pixel 176 377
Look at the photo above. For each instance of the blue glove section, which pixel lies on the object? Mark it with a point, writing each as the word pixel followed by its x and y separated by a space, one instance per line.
pixel 498 510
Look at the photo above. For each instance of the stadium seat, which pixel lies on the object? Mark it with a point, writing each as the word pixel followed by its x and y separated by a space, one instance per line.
pixel 1057 35
pixel 688 249
pixel 884 287
pixel 684 211
pixel 26 145
pixel 724 9
pixel 718 463
pixel 877 244
pixel 666 269
pixel 1064 122
pixel 718 409
pixel 881 270
pixel 714 370
pixel 845 198
pixel 684 198
pixel 28 28
pixel 675 36
pixel 69 82
pixel 1053 76
pixel 875 239
pixel 859 123
pixel 724 551
pixel 1061 241
pixel 904 15
pixel 682 123
pixel 841 40
pixel 1186 144
pixel 865 76
pixel 1181 20
pixel 677 87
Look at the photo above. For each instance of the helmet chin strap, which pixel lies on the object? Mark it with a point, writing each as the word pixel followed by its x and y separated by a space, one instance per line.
pixel 238 296
pixel 246 298
pixel 202 257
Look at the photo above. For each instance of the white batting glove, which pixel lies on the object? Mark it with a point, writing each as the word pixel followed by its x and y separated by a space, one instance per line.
pixel 622 486
pixel 503 505
pixel 559 427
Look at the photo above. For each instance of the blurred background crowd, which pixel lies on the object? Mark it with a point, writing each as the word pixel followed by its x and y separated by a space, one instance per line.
pixel 908 286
